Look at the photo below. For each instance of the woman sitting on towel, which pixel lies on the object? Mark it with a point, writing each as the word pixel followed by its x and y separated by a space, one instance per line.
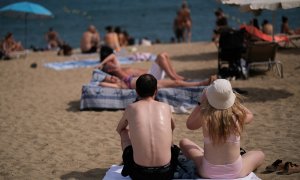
pixel 222 117
pixel 129 82
pixel 110 64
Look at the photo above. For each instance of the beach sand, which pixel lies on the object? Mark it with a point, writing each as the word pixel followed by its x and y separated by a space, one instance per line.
pixel 44 135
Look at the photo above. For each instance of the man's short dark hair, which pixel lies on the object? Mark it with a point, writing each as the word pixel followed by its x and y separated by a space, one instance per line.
pixel 105 51
pixel 146 85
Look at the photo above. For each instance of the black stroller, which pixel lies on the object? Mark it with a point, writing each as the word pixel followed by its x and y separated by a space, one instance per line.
pixel 230 51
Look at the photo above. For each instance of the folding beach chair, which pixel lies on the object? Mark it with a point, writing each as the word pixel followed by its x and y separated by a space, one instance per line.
pixel 263 54
pixel 230 50
pixel 291 40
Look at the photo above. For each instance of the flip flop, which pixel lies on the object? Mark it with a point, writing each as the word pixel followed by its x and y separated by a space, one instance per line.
pixel 275 166
pixel 290 168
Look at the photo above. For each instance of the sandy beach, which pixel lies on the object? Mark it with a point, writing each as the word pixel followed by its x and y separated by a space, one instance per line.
pixel 44 135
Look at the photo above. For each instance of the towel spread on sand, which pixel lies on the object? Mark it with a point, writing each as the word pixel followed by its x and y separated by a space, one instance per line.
pixel 94 62
pixel 114 173
pixel 93 96
pixel 80 63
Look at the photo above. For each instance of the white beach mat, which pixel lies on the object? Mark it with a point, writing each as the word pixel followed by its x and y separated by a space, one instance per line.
pixel 114 173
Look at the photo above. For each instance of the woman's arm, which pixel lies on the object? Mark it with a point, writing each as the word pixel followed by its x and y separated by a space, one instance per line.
pixel 249 116
pixel 109 59
pixel 123 123
pixel 111 85
pixel 194 120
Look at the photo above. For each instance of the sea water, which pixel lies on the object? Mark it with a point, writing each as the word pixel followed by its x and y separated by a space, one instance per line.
pixel 140 18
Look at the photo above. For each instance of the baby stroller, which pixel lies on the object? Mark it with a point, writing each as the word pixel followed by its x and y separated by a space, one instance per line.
pixel 230 51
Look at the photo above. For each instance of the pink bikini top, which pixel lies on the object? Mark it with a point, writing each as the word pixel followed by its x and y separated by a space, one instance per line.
pixel 230 139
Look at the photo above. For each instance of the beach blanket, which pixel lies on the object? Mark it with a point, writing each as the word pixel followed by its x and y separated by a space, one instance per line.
pixel 80 63
pixel 181 99
pixel 94 62
pixel 114 172
pixel 259 34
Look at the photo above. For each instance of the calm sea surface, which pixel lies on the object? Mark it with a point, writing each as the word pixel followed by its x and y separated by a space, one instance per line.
pixel 140 18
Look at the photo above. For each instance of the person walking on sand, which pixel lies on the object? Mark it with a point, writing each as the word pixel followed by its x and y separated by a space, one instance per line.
pixel 90 40
pixel 185 14
pixel 178 28
pixel 147 141
pixel 222 117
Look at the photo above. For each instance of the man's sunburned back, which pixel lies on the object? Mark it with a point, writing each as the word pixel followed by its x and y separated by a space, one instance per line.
pixel 111 39
pixel 86 41
pixel 150 132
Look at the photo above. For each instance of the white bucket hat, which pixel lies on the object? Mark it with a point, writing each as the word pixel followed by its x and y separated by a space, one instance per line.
pixel 220 95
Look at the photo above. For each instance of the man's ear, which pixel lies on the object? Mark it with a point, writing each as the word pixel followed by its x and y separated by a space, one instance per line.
pixel 155 93
pixel 137 93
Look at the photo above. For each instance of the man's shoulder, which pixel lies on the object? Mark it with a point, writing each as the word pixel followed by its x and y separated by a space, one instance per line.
pixel 139 104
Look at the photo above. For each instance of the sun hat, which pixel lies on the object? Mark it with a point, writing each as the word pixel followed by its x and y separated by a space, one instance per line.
pixel 220 95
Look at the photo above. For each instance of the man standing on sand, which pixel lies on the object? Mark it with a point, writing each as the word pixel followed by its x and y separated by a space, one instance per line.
pixel 146 131
pixel 185 14
pixel 52 39
pixel 90 40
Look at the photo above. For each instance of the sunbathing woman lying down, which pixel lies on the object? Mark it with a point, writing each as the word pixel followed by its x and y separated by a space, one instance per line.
pixel 129 82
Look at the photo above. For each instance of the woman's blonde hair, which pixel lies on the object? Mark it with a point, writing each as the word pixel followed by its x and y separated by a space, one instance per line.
pixel 221 123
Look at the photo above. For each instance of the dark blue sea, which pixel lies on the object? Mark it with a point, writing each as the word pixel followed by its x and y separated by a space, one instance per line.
pixel 140 18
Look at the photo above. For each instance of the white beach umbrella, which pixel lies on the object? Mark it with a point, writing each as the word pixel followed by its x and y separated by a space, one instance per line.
pixel 258 5
pixel 250 5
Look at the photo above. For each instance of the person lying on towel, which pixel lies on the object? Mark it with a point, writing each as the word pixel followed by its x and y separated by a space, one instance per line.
pixel 147 141
pixel 130 82
pixel 162 64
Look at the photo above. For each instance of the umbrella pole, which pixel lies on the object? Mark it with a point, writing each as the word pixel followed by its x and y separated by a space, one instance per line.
pixel 26 14
pixel 274 25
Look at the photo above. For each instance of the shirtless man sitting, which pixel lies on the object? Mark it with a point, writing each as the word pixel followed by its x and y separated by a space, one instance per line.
pixel 90 40
pixel 111 38
pixel 148 152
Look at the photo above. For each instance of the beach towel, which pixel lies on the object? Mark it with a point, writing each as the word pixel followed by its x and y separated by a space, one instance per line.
pixel 114 172
pixel 123 59
pixel 181 99
pixel 259 34
pixel 157 71
pixel 73 64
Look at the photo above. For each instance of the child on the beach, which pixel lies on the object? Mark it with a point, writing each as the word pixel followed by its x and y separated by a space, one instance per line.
pixel 222 117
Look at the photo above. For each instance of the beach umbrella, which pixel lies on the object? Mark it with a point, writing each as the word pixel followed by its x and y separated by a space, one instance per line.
pixel 26 10
pixel 252 5
pixel 258 5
